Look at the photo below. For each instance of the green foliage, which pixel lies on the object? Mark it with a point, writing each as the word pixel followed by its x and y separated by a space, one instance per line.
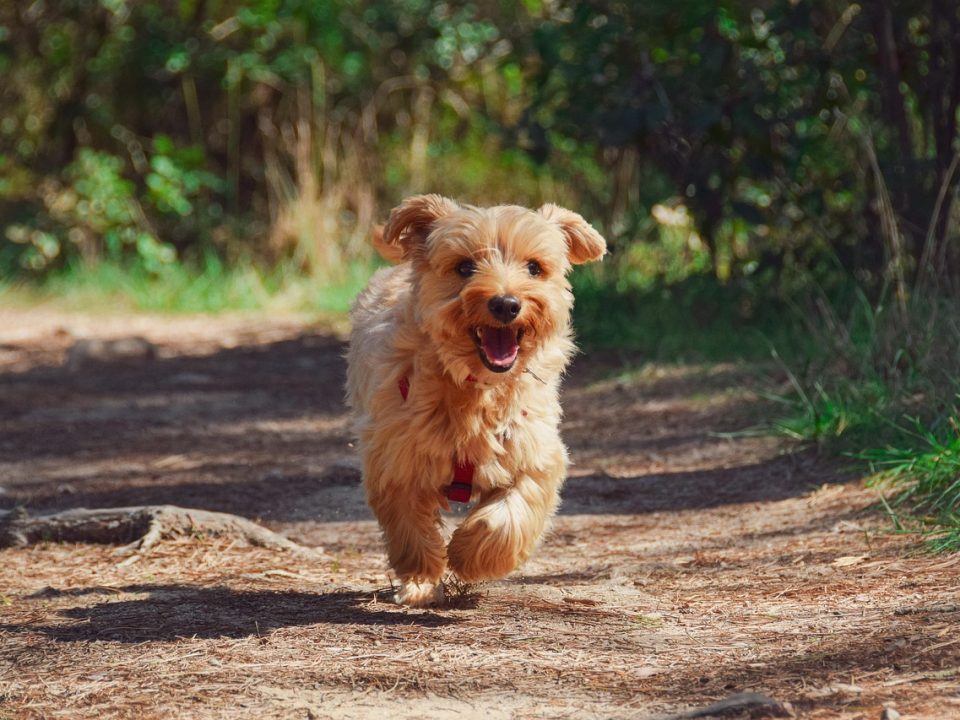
pixel 100 202
pixel 774 122
pixel 97 204
pixel 244 127
pixel 672 252
pixel 177 179
pixel 779 127
pixel 31 248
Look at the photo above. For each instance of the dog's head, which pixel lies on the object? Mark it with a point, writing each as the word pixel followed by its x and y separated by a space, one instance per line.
pixel 490 283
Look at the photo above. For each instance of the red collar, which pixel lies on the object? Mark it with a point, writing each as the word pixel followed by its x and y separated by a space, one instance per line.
pixel 461 487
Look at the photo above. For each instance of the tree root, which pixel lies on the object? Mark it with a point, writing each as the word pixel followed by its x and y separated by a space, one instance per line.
pixel 140 528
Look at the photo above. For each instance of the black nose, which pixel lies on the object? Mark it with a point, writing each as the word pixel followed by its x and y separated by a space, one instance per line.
pixel 504 308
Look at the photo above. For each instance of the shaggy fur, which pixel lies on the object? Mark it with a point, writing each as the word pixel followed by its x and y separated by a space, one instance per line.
pixel 482 389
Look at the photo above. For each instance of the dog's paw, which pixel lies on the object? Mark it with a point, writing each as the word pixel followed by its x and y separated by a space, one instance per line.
pixel 419 594
pixel 478 552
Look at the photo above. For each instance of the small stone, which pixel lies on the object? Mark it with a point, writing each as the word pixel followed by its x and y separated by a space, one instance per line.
pixel 889 714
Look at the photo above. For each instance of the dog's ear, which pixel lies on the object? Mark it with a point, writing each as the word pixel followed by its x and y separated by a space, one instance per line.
pixel 411 221
pixel 584 244
pixel 390 253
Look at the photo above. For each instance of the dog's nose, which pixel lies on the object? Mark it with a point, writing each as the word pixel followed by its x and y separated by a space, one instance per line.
pixel 504 308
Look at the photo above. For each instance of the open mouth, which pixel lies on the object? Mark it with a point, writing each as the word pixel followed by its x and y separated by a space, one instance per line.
pixel 498 345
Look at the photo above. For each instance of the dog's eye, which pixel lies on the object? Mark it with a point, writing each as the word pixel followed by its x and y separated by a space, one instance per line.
pixel 533 267
pixel 466 268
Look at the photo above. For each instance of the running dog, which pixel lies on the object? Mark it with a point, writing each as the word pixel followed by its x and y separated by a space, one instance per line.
pixel 455 362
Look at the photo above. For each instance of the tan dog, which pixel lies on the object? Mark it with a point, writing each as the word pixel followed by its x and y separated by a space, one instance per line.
pixel 454 369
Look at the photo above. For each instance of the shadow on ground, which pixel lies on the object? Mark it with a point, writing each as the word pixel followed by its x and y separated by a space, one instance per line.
pixel 770 480
pixel 160 406
pixel 171 612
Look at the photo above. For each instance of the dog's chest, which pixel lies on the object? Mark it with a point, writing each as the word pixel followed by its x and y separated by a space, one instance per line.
pixel 499 433
pixel 501 438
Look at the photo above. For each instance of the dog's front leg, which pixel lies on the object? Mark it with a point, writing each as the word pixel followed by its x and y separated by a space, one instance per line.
pixel 415 546
pixel 501 532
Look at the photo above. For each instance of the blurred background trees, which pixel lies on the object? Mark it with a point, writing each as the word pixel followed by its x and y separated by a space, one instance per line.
pixel 777 142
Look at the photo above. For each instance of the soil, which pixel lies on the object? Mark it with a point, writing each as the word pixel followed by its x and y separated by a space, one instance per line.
pixel 690 561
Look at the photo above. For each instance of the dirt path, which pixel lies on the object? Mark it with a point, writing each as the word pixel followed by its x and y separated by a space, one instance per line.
pixel 685 566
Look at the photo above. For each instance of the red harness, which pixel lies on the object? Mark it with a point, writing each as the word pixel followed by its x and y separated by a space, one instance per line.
pixel 461 488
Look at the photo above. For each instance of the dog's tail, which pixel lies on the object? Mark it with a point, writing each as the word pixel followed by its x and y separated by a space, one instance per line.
pixel 390 253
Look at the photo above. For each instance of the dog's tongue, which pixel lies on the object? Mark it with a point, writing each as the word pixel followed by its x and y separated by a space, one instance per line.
pixel 500 345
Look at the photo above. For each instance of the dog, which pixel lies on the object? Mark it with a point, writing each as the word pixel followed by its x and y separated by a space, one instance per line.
pixel 454 367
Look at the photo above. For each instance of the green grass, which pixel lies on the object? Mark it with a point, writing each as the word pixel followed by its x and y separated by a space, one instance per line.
pixel 209 286
pixel 923 469
pixel 837 412
pixel 915 464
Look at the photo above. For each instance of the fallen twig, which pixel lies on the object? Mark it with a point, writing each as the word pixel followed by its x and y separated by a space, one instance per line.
pixel 140 528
